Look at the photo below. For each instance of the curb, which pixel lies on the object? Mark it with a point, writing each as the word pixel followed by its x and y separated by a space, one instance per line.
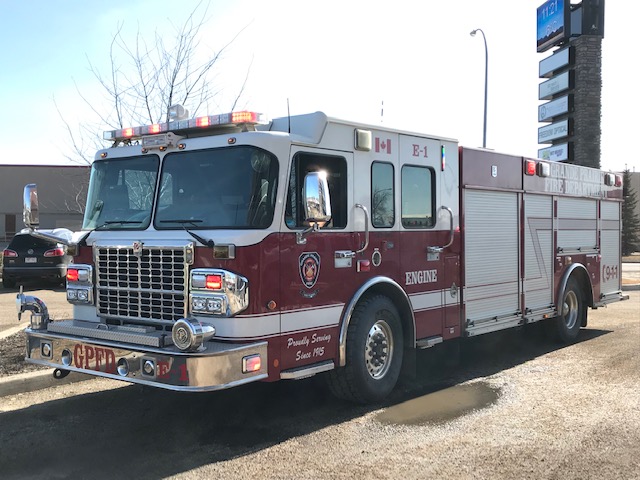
pixel 31 381
pixel 12 331
pixel 631 287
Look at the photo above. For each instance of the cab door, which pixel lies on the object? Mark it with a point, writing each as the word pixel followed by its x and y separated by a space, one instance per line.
pixel 314 283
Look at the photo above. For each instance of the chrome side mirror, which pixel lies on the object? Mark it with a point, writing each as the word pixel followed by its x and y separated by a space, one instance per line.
pixel 30 214
pixel 315 198
pixel 31 217
pixel 316 203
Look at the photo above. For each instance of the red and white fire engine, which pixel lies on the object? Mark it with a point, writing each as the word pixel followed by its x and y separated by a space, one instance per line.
pixel 224 249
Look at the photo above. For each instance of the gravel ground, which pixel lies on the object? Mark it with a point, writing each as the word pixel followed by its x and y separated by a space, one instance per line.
pixel 549 413
pixel 12 350
pixel 572 413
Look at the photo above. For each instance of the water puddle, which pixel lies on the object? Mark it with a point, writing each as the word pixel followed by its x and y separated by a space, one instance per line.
pixel 441 406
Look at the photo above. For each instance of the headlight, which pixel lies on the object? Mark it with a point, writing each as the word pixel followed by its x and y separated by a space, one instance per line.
pixel 80 284
pixel 218 292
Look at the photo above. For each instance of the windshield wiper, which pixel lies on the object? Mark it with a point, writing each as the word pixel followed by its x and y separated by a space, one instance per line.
pixel 183 222
pixel 82 240
pixel 116 222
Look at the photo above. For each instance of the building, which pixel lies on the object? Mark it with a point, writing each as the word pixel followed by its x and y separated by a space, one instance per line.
pixel 62 194
pixel 635 186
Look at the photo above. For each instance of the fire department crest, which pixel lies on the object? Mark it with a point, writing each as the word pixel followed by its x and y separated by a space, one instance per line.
pixel 309 268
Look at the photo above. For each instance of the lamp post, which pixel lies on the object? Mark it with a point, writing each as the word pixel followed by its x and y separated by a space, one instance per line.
pixel 486 74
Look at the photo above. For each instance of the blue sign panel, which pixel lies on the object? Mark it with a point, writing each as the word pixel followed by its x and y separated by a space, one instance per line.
pixel 552 26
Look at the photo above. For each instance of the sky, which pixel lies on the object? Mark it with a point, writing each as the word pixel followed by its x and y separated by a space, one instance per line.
pixel 404 64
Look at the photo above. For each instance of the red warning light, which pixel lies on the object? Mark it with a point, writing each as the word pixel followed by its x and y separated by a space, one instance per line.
pixel 530 167
pixel 214 282
pixel 202 122
pixel 72 275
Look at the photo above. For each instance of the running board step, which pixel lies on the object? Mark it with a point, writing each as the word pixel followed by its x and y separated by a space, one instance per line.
pixel 428 342
pixel 307 371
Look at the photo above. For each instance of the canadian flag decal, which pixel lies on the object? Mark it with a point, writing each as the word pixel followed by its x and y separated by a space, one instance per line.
pixel 383 145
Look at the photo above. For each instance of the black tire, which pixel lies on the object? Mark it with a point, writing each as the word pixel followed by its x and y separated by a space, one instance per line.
pixel 572 314
pixel 8 283
pixel 374 353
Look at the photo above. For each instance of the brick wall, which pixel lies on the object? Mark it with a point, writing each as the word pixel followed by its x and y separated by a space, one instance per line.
pixel 587 100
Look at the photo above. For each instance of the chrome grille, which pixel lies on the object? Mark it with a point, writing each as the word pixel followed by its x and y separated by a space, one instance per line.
pixel 149 287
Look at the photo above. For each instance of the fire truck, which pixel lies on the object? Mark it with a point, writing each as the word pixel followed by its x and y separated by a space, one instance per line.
pixel 227 249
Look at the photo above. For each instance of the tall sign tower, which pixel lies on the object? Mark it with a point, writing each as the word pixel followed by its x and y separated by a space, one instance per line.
pixel 572 80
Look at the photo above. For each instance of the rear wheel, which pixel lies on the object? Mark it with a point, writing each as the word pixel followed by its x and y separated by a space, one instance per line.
pixel 8 283
pixel 572 314
pixel 374 353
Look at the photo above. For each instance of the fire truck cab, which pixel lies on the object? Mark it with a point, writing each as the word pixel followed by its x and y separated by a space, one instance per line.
pixel 225 249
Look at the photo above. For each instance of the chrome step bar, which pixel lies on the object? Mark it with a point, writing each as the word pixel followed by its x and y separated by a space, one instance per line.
pixel 131 334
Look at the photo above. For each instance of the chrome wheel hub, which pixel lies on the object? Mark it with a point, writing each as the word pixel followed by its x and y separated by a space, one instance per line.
pixel 378 349
pixel 570 309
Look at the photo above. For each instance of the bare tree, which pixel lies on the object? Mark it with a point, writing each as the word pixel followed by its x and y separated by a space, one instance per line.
pixel 145 78
pixel 72 196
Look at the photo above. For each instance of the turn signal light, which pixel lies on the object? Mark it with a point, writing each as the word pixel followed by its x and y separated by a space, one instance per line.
pixel 252 363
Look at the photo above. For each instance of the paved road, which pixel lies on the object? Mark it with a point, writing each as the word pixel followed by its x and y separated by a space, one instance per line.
pixel 631 271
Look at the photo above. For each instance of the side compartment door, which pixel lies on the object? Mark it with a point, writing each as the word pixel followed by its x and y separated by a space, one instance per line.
pixel 538 252
pixel 313 283
pixel 492 277
pixel 610 275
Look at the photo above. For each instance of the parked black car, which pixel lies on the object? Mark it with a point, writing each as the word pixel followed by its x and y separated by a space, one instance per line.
pixel 31 258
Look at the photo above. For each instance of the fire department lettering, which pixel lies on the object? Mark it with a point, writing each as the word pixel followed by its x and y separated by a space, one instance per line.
pixel 419 151
pixel 94 358
pixel 421 276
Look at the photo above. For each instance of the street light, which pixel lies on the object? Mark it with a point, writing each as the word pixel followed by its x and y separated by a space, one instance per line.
pixel 486 73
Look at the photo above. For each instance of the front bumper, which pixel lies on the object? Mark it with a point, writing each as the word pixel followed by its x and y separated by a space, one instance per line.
pixel 217 367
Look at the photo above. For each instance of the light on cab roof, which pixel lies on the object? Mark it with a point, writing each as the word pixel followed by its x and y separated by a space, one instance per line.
pixel 180 125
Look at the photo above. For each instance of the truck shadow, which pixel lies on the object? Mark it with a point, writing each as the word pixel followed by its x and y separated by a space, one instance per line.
pixel 138 432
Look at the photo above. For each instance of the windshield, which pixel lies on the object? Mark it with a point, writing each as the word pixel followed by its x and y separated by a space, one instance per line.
pixel 121 193
pixel 232 187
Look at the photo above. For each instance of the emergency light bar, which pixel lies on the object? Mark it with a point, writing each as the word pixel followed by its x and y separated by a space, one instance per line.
pixel 208 121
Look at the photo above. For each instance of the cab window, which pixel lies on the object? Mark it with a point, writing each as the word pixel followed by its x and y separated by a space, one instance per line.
pixel 382 195
pixel 417 197
pixel 336 168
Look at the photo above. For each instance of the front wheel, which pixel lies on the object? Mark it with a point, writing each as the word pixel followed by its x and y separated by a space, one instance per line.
pixel 572 314
pixel 374 353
